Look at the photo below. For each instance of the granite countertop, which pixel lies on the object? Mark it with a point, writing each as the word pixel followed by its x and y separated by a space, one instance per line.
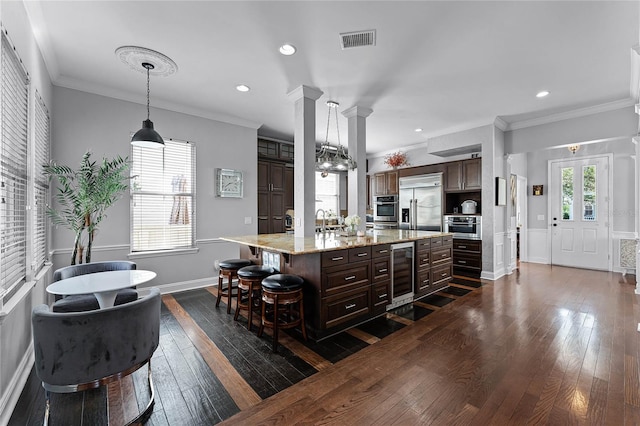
pixel 287 243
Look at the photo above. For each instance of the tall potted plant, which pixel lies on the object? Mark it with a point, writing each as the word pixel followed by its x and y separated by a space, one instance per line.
pixel 84 195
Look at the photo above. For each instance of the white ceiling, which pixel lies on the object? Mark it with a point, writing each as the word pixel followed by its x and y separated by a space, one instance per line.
pixel 439 66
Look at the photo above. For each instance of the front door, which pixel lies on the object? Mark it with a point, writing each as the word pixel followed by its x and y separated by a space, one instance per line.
pixel 579 213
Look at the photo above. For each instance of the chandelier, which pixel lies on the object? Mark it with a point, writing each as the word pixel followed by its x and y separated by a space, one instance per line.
pixel 573 148
pixel 330 158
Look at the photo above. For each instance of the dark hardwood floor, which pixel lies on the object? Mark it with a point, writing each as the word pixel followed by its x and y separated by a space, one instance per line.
pixel 545 345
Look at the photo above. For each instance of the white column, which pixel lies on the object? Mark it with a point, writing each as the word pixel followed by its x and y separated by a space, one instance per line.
pixel 304 140
pixel 357 189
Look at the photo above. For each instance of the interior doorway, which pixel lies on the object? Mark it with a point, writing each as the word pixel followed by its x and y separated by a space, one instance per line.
pixel 579 212
pixel 521 221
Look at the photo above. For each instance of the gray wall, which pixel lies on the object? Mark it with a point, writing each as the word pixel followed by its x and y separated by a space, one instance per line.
pixel 218 145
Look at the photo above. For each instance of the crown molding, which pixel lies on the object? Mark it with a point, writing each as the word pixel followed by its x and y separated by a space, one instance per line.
pixel 500 124
pixel 34 14
pixel 92 88
pixel 576 113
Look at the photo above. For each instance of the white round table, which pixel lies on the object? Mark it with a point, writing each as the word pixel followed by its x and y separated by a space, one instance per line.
pixel 103 285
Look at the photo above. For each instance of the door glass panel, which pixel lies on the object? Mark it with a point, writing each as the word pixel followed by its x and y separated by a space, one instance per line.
pixel 589 196
pixel 567 193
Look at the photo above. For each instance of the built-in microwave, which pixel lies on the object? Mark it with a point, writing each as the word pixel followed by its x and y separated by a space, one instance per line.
pixel 464 226
pixel 385 209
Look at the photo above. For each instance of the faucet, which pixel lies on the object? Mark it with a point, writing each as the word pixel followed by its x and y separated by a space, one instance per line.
pixel 324 228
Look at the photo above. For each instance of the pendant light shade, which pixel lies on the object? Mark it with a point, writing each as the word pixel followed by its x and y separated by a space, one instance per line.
pixel 329 158
pixel 147 137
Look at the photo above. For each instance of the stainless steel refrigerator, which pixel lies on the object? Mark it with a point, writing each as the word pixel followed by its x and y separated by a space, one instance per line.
pixel 421 202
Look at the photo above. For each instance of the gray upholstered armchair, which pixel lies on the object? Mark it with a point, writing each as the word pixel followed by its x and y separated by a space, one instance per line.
pixel 88 302
pixel 75 351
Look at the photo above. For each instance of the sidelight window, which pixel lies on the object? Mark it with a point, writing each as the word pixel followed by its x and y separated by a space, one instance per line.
pixel 567 193
pixel 589 195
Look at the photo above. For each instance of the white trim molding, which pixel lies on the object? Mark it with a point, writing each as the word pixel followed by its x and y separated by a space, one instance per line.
pixel 15 386
pixel 180 286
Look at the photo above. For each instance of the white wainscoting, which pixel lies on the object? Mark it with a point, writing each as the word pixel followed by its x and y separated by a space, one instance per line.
pixel 498 258
pixel 538 246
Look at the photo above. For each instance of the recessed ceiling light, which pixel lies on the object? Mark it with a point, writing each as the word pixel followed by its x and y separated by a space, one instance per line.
pixel 418 130
pixel 287 49
pixel 542 94
pixel 242 88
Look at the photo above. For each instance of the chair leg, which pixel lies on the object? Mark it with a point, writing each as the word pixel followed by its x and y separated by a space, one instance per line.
pixel 219 290
pixel 239 300
pixel 261 328
pixel 144 416
pixel 302 325
pixel 275 323
pixel 250 306
pixel 230 280
pixel 47 407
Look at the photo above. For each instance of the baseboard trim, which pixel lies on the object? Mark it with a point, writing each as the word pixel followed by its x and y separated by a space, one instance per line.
pixel 487 275
pixel 17 383
pixel 541 260
pixel 180 286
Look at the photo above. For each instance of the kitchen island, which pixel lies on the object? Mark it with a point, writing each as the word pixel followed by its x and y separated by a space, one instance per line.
pixel 350 279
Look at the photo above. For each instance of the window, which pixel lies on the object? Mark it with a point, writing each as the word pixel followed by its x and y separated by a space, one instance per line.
pixel 567 193
pixel 40 182
pixel 327 193
pixel 13 171
pixel 163 197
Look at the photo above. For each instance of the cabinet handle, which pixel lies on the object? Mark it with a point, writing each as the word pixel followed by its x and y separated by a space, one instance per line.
pixel 462 247
pixel 337 258
pixel 353 305
pixel 362 254
pixel 444 274
pixel 349 278
pixel 277 217
pixel 383 251
pixel 462 261
pixel 382 270
pixel 443 255
pixel 425 281
pixel 382 296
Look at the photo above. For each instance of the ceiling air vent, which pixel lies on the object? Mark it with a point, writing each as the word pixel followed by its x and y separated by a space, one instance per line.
pixel 358 39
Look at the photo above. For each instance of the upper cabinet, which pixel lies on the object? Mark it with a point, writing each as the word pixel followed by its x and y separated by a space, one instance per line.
pixel 385 183
pixel 275 150
pixel 463 175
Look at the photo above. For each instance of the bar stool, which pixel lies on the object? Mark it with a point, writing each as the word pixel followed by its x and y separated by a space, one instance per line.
pixel 229 268
pixel 282 291
pixel 249 279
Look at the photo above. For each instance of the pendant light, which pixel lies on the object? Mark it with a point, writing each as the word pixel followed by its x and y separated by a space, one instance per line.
pixel 147 137
pixel 573 148
pixel 329 158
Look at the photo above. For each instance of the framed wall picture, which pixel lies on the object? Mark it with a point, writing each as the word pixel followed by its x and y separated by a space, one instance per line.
pixel 538 189
pixel 229 183
pixel 501 191
pixel 513 191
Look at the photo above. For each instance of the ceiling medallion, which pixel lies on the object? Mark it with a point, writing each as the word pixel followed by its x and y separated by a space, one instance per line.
pixel 136 56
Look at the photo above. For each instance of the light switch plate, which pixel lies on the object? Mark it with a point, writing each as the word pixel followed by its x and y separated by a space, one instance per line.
pixel 247 220
pixel 540 217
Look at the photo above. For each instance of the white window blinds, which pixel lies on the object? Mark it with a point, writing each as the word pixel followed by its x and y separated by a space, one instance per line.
pixel 163 197
pixel 13 169
pixel 328 193
pixel 41 185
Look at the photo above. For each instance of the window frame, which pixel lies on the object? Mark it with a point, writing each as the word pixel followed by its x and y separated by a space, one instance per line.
pixel 138 251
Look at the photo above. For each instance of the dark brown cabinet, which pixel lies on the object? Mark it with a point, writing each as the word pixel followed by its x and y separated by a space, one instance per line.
pixel 467 257
pixel 385 183
pixel 463 175
pixel 275 150
pixel 433 265
pixel 275 195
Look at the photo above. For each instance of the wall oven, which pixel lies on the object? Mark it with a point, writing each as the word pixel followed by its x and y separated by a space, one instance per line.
pixel 469 227
pixel 385 209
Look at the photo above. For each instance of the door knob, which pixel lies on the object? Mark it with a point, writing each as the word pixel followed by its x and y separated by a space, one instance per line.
pixel 555 224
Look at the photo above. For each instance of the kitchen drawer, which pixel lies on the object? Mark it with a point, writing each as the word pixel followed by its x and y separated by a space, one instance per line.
pixel 423 282
pixel 439 273
pixel 345 277
pixel 440 255
pixel 381 268
pixel 422 245
pixel 336 257
pixel 423 259
pixel 346 306
pixel 436 242
pixel 381 295
pixel 447 240
pixel 359 254
pixel 382 250
pixel 469 260
pixel 467 245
